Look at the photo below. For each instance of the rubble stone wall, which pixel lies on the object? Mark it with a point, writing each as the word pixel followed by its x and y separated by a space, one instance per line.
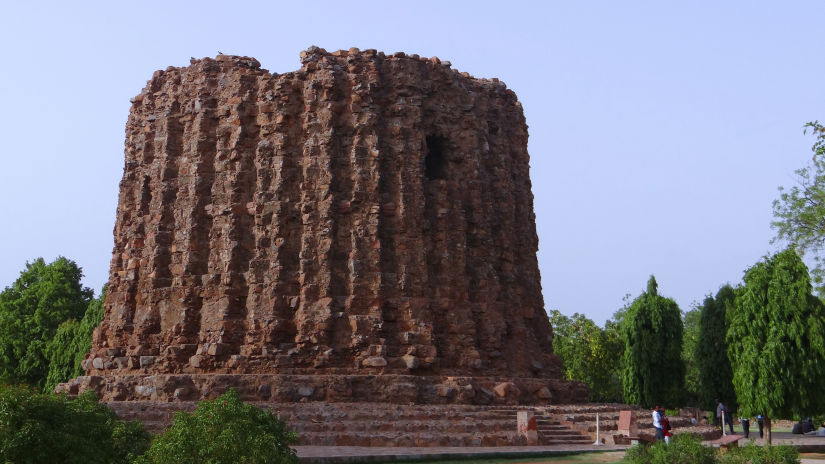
pixel 367 214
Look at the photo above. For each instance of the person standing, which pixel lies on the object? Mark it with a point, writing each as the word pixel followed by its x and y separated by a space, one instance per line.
pixel 729 419
pixel 657 423
pixel 720 415
pixel 760 420
pixel 665 426
pixel 746 425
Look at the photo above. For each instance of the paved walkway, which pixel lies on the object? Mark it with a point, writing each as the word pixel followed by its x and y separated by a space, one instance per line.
pixel 342 454
pixel 805 443
pixel 339 454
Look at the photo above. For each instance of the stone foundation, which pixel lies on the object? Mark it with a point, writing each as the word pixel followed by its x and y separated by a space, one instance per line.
pixel 284 388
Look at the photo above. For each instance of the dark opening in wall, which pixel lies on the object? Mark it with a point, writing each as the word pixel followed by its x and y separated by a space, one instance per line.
pixel 145 195
pixel 435 164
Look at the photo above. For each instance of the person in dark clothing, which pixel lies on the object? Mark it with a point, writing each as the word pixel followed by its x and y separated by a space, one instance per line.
pixel 807 425
pixel 729 419
pixel 746 425
pixel 760 420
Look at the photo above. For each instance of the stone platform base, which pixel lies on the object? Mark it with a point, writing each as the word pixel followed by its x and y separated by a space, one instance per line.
pixel 319 423
pixel 378 424
pixel 284 388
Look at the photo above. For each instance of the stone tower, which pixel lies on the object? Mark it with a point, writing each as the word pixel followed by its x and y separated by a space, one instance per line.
pixel 359 230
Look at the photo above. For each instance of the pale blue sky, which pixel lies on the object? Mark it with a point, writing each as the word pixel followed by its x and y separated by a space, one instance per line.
pixel 659 131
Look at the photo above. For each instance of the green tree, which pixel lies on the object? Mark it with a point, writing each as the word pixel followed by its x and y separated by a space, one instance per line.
pixel 690 339
pixel 31 309
pixel 653 369
pixel 42 427
pixel 711 354
pixel 799 213
pixel 776 341
pixel 589 354
pixel 71 344
pixel 223 431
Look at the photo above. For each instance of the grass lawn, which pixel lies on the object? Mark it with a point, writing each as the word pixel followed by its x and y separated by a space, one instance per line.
pixel 582 458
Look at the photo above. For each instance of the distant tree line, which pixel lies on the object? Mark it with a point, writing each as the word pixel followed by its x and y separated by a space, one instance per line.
pixel 758 346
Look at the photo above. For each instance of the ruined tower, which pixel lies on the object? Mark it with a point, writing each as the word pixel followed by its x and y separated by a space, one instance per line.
pixel 361 229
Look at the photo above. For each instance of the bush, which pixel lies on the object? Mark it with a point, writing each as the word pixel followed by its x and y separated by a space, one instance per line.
pixel 688 449
pixel 683 449
pixel 130 440
pixel 753 454
pixel 39 427
pixel 223 431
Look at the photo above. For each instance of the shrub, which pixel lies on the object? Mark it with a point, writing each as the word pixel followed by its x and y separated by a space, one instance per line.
pixel 40 427
pixel 753 454
pixel 223 431
pixel 130 440
pixel 683 449
pixel 688 449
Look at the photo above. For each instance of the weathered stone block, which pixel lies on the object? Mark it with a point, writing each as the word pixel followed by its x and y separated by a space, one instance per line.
pixel 544 394
pixel 306 391
pixel 505 389
pixel 410 361
pixel 144 390
pixel 217 349
pixel 375 361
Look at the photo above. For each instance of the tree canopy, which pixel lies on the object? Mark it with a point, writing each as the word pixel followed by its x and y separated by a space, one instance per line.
pixel 690 339
pixel 653 373
pixel 31 309
pixel 799 213
pixel 71 344
pixel 776 340
pixel 711 353
pixel 589 354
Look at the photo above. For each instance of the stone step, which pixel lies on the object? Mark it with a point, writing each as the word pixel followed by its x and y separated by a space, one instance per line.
pixel 583 441
pixel 405 426
pixel 553 427
pixel 380 424
pixel 559 433
pixel 321 413
pixel 410 440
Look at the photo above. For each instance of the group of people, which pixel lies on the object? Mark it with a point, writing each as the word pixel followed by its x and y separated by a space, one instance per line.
pixel 723 417
pixel 662 424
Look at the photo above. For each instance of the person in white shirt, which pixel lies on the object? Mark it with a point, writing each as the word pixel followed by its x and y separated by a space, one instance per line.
pixel 657 424
pixel 720 411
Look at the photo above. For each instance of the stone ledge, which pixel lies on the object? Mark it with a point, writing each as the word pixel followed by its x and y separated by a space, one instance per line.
pixel 283 388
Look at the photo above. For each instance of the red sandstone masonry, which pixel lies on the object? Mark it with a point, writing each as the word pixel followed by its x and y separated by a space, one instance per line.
pixel 364 215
